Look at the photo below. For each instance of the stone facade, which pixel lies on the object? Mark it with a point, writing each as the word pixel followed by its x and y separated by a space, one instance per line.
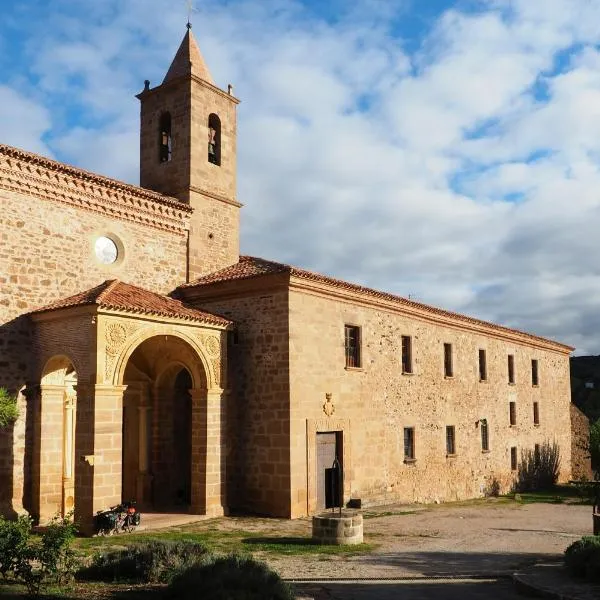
pixel 127 391
pixel 581 463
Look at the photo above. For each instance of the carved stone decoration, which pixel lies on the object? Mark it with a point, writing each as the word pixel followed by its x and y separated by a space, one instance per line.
pixel 115 334
pixel 216 365
pixel 328 407
pixel 212 345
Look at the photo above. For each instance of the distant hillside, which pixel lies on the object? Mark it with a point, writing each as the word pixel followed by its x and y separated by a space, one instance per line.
pixel 585 385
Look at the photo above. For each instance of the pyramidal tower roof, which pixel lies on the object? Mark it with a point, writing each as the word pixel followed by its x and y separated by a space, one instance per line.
pixel 188 60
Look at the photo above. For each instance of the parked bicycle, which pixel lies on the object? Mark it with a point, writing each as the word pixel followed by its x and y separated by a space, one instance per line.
pixel 117 519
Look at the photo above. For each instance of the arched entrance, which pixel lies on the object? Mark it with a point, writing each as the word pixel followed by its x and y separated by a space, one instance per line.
pixel 165 379
pixel 54 461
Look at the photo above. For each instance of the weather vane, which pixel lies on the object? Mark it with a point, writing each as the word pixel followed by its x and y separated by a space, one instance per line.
pixel 190 10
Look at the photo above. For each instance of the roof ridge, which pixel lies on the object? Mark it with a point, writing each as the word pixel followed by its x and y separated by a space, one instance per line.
pixel 111 285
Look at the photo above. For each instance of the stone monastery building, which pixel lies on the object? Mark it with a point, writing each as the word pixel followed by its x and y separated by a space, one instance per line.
pixel 154 362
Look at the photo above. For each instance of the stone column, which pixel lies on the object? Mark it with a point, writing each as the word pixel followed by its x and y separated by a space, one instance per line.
pixel 144 479
pixel 48 458
pixel 68 498
pixel 208 452
pixel 99 454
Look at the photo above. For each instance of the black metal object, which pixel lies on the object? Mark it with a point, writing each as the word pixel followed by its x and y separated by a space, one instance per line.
pixel 334 486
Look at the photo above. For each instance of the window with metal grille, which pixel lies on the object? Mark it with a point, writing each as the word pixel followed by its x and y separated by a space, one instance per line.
pixel 450 440
pixel 407 354
pixel 513 413
pixel 536 413
pixel 513 458
pixel 485 439
pixel 352 346
pixel 511 368
pixel 482 366
pixel 535 380
pixel 448 371
pixel 409 443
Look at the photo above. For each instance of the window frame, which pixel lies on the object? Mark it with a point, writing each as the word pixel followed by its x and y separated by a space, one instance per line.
pixel 448 361
pixel 536 413
pixel 485 435
pixel 165 138
pixel 514 460
pixel 406 354
pixel 511 369
pixel 450 440
pixel 409 444
pixel 512 413
pixel 353 354
pixel 483 374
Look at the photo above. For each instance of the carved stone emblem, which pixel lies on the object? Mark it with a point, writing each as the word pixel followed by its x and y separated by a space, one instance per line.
pixel 212 345
pixel 328 407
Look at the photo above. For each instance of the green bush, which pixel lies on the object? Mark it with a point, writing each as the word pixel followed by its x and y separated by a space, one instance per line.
pixel 538 470
pixel 148 562
pixel 35 561
pixel 9 412
pixel 232 577
pixel 582 558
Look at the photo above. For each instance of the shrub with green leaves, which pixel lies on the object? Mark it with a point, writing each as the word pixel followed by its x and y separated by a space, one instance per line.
pixel 232 577
pixel 582 558
pixel 538 470
pixel 148 562
pixel 9 411
pixel 14 539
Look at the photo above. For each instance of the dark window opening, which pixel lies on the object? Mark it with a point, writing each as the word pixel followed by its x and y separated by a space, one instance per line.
pixel 482 366
pixel 214 139
pixel 485 440
pixel 450 440
pixel 409 443
pixel 165 137
pixel 536 455
pixel 511 368
pixel 406 354
pixel 448 371
pixel 513 413
pixel 536 413
pixel 352 346
pixel 534 372
pixel 513 458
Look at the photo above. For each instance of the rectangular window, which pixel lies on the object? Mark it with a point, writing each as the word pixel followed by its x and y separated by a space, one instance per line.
pixel 511 368
pixel 482 366
pixel 513 458
pixel 406 354
pixel 536 413
pixel 409 443
pixel 513 413
pixel 535 380
pixel 536 455
pixel 450 440
pixel 448 371
pixel 485 440
pixel 352 345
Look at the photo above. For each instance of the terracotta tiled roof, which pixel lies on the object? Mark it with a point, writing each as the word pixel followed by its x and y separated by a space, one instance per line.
pixel 249 267
pixel 116 295
pixel 188 61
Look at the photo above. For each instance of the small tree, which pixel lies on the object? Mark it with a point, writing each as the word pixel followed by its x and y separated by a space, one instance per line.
pixel 595 447
pixel 9 412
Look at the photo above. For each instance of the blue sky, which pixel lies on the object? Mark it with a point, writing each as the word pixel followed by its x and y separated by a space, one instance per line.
pixel 446 150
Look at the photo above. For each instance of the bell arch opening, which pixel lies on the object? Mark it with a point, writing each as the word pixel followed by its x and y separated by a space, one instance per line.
pixel 166 385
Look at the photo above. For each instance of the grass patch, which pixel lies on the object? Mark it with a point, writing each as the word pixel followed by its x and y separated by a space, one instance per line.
pixel 388 513
pixel 560 494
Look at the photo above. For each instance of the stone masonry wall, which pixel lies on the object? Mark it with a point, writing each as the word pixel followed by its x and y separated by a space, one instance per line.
pixel 258 465
pixel 376 402
pixel 580 454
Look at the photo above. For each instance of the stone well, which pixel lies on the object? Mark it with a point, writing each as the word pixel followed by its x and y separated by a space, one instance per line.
pixel 333 528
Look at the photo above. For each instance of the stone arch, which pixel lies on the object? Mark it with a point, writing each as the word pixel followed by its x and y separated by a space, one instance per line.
pixel 202 378
pixel 53 480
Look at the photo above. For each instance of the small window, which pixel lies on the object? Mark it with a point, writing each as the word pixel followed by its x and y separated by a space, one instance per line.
pixel 534 372
pixel 485 439
pixel 352 345
pixel 511 368
pixel 406 354
pixel 409 443
pixel 513 413
pixel 165 137
pixel 450 440
pixel 536 455
pixel 214 140
pixel 513 458
pixel 536 413
pixel 448 370
pixel 482 366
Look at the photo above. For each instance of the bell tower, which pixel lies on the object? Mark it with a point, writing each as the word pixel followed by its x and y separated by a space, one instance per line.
pixel 188 151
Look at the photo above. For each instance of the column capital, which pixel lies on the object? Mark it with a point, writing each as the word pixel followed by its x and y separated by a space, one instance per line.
pixel 109 390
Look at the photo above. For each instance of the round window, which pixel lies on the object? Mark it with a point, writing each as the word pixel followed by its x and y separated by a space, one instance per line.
pixel 106 250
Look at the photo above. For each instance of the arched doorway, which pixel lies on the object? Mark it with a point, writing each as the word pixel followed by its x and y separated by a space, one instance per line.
pixel 54 462
pixel 160 375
